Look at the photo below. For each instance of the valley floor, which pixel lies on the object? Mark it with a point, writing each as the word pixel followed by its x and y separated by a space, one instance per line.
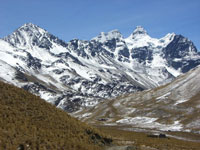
pixel 133 140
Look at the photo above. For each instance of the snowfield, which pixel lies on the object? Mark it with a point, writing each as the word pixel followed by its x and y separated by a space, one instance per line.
pixel 78 74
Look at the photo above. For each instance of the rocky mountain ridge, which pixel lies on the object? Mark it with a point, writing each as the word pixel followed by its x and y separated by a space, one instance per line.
pixel 171 107
pixel 77 74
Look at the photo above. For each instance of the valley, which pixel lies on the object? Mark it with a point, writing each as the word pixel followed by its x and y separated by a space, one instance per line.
pixel 126 93
pixel 172 107
pixel 143 140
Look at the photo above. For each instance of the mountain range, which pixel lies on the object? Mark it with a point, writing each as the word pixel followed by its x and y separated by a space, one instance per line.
pixel 80 74
pixel 172 107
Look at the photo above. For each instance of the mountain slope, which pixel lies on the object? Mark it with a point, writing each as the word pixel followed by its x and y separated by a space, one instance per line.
pixel 28 122
pixel 81 73
pixel 174 106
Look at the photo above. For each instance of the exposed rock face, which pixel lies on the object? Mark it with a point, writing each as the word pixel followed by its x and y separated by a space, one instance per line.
pixel 82 73
pixel 181 54
pixel 172 107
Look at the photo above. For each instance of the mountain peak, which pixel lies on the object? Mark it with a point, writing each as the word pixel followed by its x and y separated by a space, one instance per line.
pixel 30 27
pixel 113 34
pixel 25 35
pixel 114 31
pixel 29 24
pixel 105 67
pixel 139 30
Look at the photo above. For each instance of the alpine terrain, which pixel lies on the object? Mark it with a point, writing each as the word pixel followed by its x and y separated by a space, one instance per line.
pixel 172 107
pixel 29 123
pixel 78 74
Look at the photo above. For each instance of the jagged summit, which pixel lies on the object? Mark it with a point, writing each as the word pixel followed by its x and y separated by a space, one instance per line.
pixel 139 34
pixel 29 24
pixel 28 28
pixel 139 30
pixel 80 73
pixel 31 28
pixel 113 34
pixel 30 35
pixel 26 35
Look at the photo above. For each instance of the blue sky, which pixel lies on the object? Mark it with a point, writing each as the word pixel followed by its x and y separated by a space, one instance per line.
pixel 85 19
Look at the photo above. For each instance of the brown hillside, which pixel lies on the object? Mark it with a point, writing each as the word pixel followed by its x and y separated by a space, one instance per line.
pixel 27 122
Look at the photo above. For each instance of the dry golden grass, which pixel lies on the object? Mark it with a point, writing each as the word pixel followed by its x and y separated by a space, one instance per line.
pixel 27 122
pixel 141 141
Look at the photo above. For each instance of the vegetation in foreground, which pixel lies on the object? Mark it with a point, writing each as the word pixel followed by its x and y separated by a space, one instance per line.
pixel 29 123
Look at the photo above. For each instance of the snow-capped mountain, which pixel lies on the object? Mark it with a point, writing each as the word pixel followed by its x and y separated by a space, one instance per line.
pixel 171 107
pixel 81 73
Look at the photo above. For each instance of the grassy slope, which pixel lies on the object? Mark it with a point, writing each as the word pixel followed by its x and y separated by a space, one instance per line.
pixel 27 122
